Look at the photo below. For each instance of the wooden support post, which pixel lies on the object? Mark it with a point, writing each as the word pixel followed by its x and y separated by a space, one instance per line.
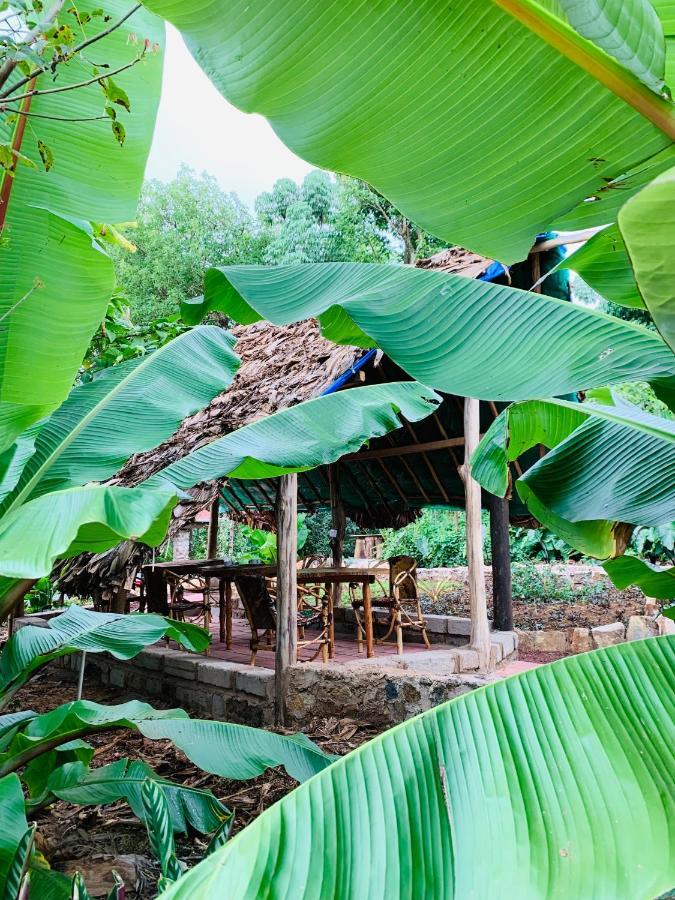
pixel 287 589
pixel 212 542
pixel 337 540
pixel 502 601
pixel 480 630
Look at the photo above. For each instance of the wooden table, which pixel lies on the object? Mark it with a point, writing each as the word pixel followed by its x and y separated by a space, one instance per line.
pixel 226 575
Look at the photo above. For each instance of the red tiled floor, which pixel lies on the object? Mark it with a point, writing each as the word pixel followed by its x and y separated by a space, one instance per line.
pixel 346 649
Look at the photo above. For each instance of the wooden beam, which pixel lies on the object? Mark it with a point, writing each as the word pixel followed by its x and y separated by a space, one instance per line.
pixel 432 470
pixel 338 521
pixel 212 541
pixel 406 450
pixel 480 630
pixel 502 600
pixel 287 589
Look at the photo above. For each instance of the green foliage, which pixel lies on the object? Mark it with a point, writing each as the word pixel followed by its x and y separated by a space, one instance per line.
pixel 41 596
pixel 183 227
pixel 119 339
pixel 433 539
pixel 80 629
pixel 537 584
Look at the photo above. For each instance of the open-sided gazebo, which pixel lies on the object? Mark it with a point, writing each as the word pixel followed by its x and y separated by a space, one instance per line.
pixel 385 484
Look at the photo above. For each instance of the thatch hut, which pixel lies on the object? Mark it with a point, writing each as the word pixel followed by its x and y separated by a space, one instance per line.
pixel 384 485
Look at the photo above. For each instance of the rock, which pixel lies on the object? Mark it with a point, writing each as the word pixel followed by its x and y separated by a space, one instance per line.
pixel 580 640
pixel 97 874
pixel 641 627
pixel 607 635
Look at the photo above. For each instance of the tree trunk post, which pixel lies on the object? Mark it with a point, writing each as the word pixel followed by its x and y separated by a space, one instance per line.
pixel 480 630
pixel 337 534
pixel 502 600
pixel 212 542
pixel 287 591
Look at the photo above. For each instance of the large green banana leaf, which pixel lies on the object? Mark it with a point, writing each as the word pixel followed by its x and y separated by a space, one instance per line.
pixel 79 629
pixel 549 784
pixel 630 31
pixel 456 334
pixel 14 823
pixel 423 101
pixel 123 779
pixel 627 570
pixel 608 464
pixel 231 751
pixel 65 523
pixel 603 263
pixel 313 433
pixel 55 282
pixel 128 409
pixel 46 328
pixel 647 222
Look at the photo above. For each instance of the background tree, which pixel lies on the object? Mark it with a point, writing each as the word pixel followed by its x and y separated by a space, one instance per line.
pixel 184 226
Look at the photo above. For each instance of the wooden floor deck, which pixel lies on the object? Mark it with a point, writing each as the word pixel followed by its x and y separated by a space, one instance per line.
pixel 346 649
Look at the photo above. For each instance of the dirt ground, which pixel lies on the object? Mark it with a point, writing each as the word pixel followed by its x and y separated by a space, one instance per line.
pixel 585 604
pixel 93 838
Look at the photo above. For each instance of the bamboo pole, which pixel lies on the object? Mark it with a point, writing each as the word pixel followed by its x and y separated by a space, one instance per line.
pixel 480 631
pixel 287 589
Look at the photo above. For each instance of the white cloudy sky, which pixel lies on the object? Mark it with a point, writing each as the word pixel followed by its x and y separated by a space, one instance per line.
pixel 196 125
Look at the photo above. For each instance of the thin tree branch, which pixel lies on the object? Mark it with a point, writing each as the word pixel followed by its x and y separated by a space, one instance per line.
pixel 20 112
pixel 71 87
pixel 59 59
pixel 9 66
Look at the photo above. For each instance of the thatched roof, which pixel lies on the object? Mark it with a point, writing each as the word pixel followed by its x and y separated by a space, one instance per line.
pixel 280 366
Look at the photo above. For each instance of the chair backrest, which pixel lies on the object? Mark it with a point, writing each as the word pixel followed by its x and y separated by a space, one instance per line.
pixel 403 577
pixel 257 602
pixel 313 562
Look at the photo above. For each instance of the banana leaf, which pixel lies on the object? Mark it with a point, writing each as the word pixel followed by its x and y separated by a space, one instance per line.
pixel 189 807
pixel 549 784
pixel 608 465
pixel 79 629
pixel 340 84
pixel 222 748
pixel 647 222
pixel 55 281
pixel 630 31
pixel 604 264
pixel 129 408
pixel 627 570
pixel 313 433
pixel 14 823
pixel 69 522
pixel 479 339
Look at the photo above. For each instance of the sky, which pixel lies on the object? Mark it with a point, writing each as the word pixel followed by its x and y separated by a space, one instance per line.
pixel 197 126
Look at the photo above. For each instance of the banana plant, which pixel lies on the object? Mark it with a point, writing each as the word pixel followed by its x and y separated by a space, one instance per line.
pixel 559 771
pixel 609 465
pixel 55 279
pixel 48 755
pixel 97 517
pixel 480 339
pixel 82 630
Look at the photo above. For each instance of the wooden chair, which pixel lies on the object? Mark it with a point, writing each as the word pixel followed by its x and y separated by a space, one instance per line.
pixel 312 562
pixel 182 608
pixel 261 613
pixel 403 603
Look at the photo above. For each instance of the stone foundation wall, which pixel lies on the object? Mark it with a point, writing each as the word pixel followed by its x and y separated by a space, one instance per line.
pixel 377 696
pixel 210 687
pixel 579 640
